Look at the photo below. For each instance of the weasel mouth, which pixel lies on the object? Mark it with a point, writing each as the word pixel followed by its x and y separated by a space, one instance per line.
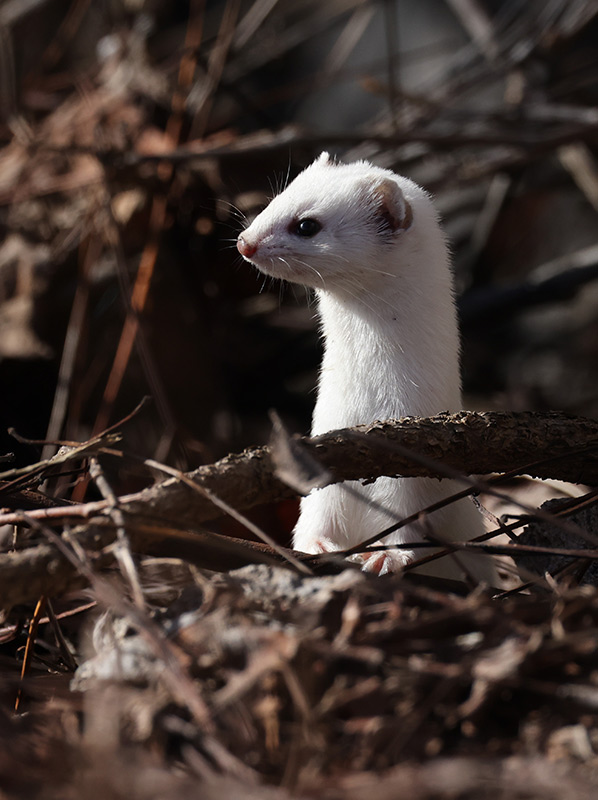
pixel 286 269
pixel 275 271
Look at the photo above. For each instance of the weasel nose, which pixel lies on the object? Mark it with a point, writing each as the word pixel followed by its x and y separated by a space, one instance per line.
pixel 246 248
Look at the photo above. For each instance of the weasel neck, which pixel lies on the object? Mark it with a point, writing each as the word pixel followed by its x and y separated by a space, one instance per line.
pixel 384 358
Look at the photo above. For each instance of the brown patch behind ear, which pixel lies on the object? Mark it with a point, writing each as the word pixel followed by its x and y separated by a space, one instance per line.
pixel 391 205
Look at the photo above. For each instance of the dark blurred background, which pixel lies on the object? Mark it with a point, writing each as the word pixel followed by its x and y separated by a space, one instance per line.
pixel 136 135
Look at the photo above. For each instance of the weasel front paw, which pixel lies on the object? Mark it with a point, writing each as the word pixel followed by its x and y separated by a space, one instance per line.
pixel 380 563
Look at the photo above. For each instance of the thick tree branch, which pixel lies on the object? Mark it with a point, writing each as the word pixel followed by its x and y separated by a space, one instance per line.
pixel 544 445
pixel 470 443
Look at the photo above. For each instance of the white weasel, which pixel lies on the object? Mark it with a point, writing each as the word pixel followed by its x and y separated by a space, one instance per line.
pixel 370 244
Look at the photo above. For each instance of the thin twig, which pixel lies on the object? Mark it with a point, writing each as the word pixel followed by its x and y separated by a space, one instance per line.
pixel 228 509
pixel 122 548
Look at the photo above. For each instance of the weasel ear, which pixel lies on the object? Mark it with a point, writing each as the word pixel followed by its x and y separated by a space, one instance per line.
pixel 324 158
pixel 391 206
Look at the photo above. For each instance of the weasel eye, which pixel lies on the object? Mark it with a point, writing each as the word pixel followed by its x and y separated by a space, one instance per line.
pixel 306 227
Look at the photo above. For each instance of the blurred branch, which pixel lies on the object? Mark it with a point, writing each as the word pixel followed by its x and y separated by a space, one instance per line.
pixel 580 162
pixel 554 282
pixel 475 20
pixel 89 251
pixel 14 10
pixel 216 64
pixel 450 133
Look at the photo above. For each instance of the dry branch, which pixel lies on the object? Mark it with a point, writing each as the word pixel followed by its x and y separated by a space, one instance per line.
pixel 543 445
pixel 27 574
pixel 469 442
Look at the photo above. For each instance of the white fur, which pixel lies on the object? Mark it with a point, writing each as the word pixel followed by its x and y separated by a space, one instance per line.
pixel 391 345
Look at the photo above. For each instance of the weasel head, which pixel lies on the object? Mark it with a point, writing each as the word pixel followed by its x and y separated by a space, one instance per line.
pixel 336 224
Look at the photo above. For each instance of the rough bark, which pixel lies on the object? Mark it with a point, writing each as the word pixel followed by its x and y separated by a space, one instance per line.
pixel 544 445
pixel 470 443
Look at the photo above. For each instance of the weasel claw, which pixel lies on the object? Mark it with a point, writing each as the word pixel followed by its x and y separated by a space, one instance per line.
pixel 379 564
